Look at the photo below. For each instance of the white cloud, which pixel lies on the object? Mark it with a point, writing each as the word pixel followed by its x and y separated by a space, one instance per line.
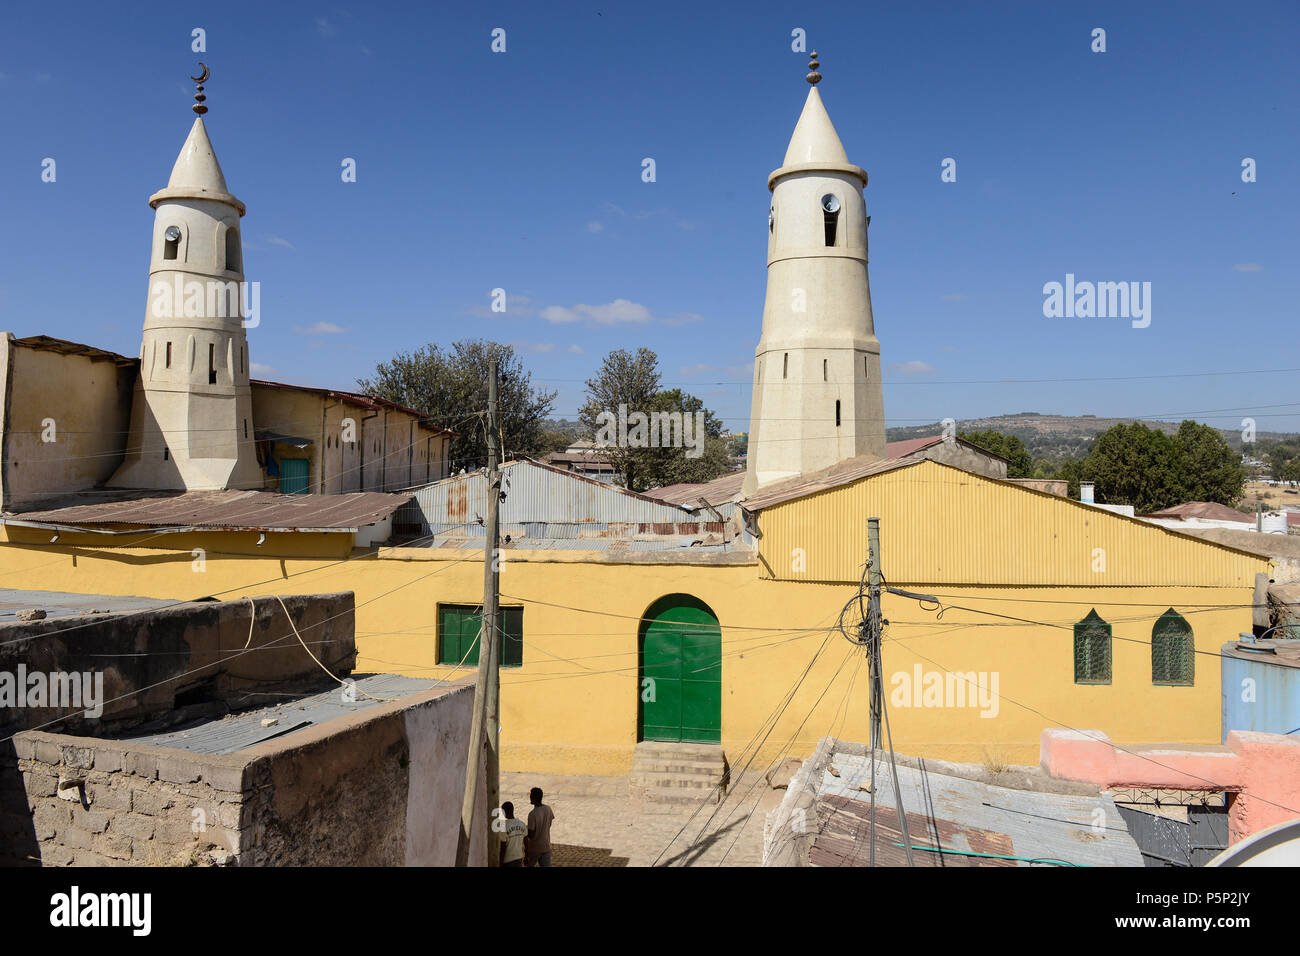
pixel 326 28
pixel 618 312
pixel 699 368
pixel 576 350
pixel 257 368
pixel 279 241
pixel 1249 267
pixel 595 227
pixel 320 328
pixel 914 367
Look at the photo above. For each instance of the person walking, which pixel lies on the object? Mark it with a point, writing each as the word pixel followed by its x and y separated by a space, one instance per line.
pixel 540 819
pixel 512 837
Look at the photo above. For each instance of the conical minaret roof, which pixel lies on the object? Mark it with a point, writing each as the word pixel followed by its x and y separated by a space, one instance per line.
pixel 815 146
pixel 815 139
pixel 197 174
pixel 196 166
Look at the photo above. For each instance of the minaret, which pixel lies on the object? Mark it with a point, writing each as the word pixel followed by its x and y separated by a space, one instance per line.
pixel 817 394
pixel 191 417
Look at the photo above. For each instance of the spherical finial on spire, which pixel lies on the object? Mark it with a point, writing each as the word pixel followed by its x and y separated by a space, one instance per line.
pixel 813 77
pixel 202 78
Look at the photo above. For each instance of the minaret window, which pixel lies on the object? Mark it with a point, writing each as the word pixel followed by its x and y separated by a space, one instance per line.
pixel 831 216
pixel 771 219
pixel 212 364
pixel 837 413
pixel 824 371
pixel 173 242
pixel 169 355
pixel 785 365
pixel 232 250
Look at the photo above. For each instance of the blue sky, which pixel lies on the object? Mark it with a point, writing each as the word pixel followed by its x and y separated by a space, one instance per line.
pixel 522 170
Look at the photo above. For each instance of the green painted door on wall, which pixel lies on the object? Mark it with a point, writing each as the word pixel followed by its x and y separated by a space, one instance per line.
pixel 294 474
pixel 681 676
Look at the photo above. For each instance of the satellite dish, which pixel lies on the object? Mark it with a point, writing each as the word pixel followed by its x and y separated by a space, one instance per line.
pixel 831 203
pixel 172 233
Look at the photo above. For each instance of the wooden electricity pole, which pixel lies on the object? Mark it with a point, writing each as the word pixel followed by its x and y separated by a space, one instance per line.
pixel 485 726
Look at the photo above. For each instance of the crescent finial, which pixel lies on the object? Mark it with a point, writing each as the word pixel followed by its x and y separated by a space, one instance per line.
pixel 202 78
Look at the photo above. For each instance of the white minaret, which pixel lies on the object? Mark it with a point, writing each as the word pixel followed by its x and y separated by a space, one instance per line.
pixel 191 417
pixel 817 395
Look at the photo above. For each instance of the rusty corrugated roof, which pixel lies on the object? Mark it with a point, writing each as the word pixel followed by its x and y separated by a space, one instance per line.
pixel 957 821
pixel 715 492
pixel 245 510
pixel 841 473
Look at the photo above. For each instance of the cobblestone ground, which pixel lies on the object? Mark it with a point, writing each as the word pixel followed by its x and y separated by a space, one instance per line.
pixel 598 824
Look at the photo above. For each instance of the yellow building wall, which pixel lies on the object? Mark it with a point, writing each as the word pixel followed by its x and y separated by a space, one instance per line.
pixel 939 524
pixel 572 706
pixel 88 401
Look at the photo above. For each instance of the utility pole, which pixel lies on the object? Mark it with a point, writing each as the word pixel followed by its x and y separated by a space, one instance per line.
pixel 485 727
pixel 871 634
pixel 873 626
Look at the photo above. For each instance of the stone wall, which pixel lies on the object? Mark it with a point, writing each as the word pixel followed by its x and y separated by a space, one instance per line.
pixel 88 802
pixel 380 787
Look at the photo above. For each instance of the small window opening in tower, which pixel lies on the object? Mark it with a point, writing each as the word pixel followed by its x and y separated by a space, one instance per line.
pixel 212 364
pixel 865 369
pixel 785 366
pixel 166 453
pixel 771 219
pixel 169 355
pixel 831 216
pixel 173 242
pixel 245 427
pixel 241 358
pixel 232 250
pixel 824 378
pixel 837 413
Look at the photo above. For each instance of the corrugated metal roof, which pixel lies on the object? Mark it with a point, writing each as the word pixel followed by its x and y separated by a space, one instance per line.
pixel 240 731
pixel 841 473
pixel 538 493
pixel 719 491
pixel 250 510
pixel 962 817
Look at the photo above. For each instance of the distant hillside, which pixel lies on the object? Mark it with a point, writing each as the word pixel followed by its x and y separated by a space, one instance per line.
pixel 1056 437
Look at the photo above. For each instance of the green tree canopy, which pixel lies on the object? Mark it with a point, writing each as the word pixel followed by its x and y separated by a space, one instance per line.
pixel 451 387
pixel 632 380
pixel 1150 470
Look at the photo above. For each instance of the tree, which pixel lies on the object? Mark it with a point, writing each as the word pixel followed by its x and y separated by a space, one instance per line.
pixel 627 385
pixel 451 388
pixel 1210 469
pixel 1150 470
pixel 626 379
pixel 1019 462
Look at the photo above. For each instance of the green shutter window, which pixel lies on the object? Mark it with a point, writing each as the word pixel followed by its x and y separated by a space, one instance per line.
pixel 458 635
pixel 295 476
pixel 1092 650
pixel 1173 653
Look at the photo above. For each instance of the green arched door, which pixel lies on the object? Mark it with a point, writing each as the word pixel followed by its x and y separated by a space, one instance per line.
pixel 681 672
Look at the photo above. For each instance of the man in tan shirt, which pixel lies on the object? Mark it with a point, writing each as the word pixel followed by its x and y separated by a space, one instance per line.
pixel 540 819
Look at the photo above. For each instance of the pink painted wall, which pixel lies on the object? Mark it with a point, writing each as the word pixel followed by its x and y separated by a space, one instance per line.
pixel 1263 769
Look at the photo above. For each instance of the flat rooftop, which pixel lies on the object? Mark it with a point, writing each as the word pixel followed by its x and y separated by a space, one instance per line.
pixel 63 604
pixel 235 732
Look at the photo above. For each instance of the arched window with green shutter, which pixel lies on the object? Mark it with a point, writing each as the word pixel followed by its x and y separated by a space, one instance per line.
pixel 1092 650
pixel 1173 652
